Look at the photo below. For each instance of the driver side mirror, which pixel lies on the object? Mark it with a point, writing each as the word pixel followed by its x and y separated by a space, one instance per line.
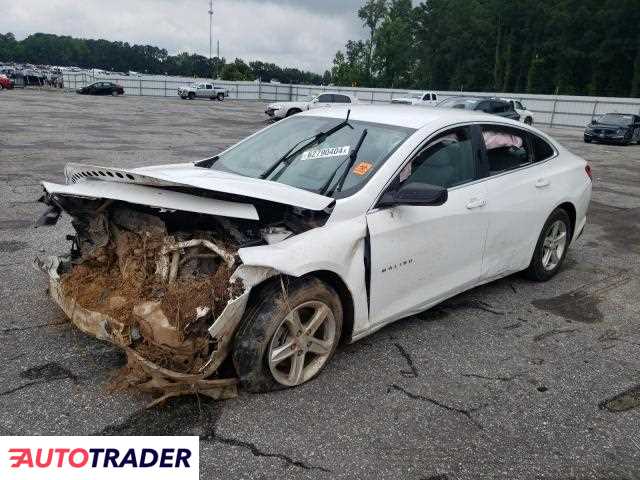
pixel 416 194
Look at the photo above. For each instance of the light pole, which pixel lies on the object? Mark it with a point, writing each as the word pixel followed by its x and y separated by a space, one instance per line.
pixel 210 29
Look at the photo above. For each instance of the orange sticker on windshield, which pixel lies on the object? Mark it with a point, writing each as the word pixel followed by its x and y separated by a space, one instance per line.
pixel 362 168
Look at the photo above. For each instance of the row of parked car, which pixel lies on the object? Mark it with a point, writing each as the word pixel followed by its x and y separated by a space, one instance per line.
pixel 504 107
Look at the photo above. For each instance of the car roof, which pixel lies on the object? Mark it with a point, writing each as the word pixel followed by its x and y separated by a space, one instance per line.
pixel 407 116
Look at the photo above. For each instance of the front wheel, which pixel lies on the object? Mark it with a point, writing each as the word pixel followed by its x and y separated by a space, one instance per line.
pixel 528 121
pixel 220 97
pixel 551 248
pixel 191 96
pixel 1 87
pixel 289 334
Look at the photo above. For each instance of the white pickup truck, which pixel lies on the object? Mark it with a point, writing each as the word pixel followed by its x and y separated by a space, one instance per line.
pixel 286 109
pixel 202 90
pixel 417 98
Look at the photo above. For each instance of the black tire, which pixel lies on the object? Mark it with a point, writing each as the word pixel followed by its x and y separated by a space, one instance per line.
pixel 1 87
pixel 528 121
pixel 183 97
pixel 293 111
pixel 587 140
pixel 263 319
pixel 536 270
pixel 191 96
pixel 220 97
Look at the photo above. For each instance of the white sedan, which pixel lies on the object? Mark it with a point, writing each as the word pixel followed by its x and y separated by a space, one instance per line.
pixel 322 228
pixel 281 110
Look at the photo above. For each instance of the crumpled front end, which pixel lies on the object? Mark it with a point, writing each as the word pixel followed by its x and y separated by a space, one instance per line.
pixel 167 287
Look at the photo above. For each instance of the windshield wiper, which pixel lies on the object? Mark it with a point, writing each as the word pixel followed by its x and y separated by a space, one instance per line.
pixel 293 151
pixel 353 156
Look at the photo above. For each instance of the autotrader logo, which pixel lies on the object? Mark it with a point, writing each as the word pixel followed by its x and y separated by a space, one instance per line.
pixel 71 458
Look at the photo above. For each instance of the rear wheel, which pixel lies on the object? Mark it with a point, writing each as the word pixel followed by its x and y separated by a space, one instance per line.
pixel 114 93
pixel 551 248
pixel 1 87
pixel 587 140
pixel 528 121
pixel 220 97
pixel 289 336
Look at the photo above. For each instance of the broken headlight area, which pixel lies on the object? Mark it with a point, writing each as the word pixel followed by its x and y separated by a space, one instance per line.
pixel 164 286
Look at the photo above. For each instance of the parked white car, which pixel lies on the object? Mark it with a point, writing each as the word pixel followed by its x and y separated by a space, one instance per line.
pixel 281 110
pixel 526 116
pixel 418 98
pixel 203 90
pixel 324 227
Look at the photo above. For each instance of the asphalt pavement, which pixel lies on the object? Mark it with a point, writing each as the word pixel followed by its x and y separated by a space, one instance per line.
pixel 514 379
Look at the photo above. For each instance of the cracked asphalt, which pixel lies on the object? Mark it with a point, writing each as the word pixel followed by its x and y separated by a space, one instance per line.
pixel 514 379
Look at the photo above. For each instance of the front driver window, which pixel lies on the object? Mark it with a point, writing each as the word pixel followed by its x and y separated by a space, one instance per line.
pixel 446 162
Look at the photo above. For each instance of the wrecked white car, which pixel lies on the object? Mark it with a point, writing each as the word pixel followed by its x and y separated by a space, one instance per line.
pixel 251 266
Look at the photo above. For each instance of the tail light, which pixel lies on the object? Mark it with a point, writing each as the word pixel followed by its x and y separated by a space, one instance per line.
pixel 587 169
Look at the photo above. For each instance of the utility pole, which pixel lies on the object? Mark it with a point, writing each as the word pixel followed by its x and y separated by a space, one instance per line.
pixel 210 28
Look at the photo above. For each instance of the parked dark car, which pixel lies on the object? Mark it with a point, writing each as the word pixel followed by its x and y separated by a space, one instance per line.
pixel 614 128
pixel 494 106
pixel 5 82
pixel 101 88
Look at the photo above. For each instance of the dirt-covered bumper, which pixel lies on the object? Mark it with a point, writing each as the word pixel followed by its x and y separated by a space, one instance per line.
pixel 143 373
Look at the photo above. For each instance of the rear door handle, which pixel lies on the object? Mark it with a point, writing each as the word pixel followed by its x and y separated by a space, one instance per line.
pixel 542 182
pixel 476 203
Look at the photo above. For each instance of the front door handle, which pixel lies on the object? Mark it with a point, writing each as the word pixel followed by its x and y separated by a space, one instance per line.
pixel 476 203
pixel 542 183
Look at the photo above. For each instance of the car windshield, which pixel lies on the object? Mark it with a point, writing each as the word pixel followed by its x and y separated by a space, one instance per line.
pixel 462 103
pixel 318 166
pixel 611 119
pixel 417 96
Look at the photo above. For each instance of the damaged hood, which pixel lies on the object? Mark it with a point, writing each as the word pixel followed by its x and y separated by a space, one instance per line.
pixel 188 175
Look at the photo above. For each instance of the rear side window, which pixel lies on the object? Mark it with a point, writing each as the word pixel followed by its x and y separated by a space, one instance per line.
pixel 326 98
pixel 541 149
pixel 341 99
pixel 209 87
pixel 507 148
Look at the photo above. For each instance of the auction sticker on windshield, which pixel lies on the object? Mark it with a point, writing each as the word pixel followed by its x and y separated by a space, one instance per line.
pixel 325 153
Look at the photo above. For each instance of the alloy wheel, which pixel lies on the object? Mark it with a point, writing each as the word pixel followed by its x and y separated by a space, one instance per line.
pixel 555 242
pixel 302 343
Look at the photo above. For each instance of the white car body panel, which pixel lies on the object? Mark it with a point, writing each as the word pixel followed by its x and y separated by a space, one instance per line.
pixel 419 256
pixel 188 175
pixel 154 197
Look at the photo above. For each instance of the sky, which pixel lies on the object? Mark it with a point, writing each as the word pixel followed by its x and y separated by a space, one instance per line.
pixel 304 34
